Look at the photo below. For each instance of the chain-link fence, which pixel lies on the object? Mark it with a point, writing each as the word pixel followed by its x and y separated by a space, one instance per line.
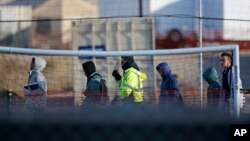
pixel 121 123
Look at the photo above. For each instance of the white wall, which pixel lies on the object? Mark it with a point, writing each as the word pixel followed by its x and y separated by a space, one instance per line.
pixel 15 13
pixel 116 8
pixel 237 10
pixel 217 9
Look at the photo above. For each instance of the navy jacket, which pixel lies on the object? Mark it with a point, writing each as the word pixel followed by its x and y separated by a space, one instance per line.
pixel 170 92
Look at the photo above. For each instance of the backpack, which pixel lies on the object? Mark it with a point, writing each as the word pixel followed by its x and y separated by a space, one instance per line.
pixel 104 88
pixel 103 92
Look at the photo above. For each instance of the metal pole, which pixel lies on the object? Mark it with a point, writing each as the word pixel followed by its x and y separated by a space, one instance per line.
pixel 76 53
pixel 140 9
pixel 201 56
pixel 236 84
pixel 9 101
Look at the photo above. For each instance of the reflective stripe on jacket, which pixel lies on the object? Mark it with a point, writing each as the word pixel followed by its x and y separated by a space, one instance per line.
pixel 131 83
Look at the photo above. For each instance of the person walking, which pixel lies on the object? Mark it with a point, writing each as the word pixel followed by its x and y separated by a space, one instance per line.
pixel 96 87
pixel 131 83
pixel 36 89
pixel 170 95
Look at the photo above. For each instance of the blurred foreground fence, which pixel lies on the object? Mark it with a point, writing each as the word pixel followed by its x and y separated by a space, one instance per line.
pixel 65 101
pixel 118 124
pixel 79 131
pixel 64 121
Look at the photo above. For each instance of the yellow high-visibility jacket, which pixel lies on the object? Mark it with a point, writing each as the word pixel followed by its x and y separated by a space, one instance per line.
pixel 131 83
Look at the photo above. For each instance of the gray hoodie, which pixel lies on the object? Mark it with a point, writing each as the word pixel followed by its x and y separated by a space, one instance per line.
pixel 37 99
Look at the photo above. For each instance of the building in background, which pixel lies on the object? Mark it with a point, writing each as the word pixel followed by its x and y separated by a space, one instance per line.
pixel 58 34
pixel 13 31
pixel 52 20
pixel 50 27
pixel 177 21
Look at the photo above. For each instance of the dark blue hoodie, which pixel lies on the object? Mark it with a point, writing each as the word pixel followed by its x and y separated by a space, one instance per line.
pixel 169 87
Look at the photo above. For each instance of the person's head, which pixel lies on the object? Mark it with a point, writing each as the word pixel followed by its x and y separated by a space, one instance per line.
pixel 37 63
pixel 88 68
pixel 163 69
pixel 32 64
pixel 126 59
pixel 159 70
pixel 128 62
pixel 226 60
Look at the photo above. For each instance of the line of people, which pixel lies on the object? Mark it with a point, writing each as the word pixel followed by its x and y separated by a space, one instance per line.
pixel 220 97
pixel 131 85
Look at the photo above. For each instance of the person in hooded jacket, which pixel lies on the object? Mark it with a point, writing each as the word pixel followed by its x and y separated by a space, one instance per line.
pixel 130 84
pixel 36 89
pixel 170 95
pixel 96 87
pixel 213 90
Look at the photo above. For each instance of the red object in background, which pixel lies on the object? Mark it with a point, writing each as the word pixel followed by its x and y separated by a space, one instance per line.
pixel 243 44
pixel 177 39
